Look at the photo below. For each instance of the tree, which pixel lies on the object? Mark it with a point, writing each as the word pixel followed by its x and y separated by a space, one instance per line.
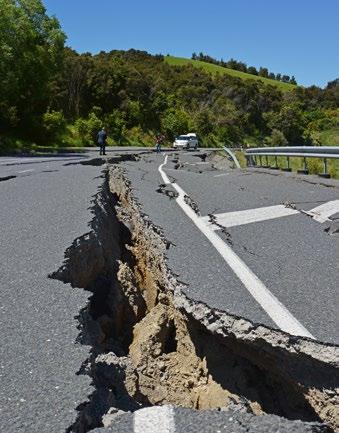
pixel 31 48
pixel 175 122
pixel 73 81
pixel 333 84
pixel 232 64
pixel 252 70
pixel 293 80
pixel 263 72
pixel 290 120
pixel 203 122
pixel 116 125
pixel 276 139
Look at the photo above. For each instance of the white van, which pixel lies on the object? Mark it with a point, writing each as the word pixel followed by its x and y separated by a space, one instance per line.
pixel 187 141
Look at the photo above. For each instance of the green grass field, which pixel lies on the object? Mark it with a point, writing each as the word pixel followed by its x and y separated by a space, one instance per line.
pixel 213 69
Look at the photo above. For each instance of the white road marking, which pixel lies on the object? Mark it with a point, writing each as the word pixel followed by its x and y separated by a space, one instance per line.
pixel 232 219
pixel 323 212
pixel 221 175
pixel 273 307
pixel 26 171
pixel 157 419
pixel 163 174
pixel 20 161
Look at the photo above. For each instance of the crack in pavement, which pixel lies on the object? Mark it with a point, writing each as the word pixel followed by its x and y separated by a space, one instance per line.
pixel 3 179
pixel 153 345
pixel 192 204
pixel 223 229
pixel 332 229
pixel 163 189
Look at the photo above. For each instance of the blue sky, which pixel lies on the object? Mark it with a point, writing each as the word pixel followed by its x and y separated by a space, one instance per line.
pixel 294 37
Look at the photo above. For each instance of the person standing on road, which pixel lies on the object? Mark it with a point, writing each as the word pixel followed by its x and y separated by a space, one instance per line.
pixel 159 141
pixel 102 138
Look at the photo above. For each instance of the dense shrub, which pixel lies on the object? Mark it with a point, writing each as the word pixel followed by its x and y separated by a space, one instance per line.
pixel 87 129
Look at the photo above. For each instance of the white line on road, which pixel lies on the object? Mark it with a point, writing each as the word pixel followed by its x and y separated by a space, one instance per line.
pixel 26 171
pixel 221 175
pixel 157 419
pixel 324 211
pixel 273 307
pixel 20 161
pixel 163 174
pixel 232 219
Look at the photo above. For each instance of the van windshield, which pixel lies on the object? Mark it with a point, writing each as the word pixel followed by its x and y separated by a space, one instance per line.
pixel 183 137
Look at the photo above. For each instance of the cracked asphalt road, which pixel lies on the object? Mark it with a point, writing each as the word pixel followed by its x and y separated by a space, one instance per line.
pixel 294 256
pixel 45 205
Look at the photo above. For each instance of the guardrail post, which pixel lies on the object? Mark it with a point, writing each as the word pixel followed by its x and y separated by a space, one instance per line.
pixel 266 165
pixel 260 161
pixel 325 174
pixel 305 170
pixel 288 168
pixel 275 167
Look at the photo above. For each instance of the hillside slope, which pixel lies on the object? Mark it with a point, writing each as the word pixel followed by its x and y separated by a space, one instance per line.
pixel 209 67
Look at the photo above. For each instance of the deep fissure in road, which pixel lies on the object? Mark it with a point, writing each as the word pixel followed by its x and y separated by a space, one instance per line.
pixel 152 345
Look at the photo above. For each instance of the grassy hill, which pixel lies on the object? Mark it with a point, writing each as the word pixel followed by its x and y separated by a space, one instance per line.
pixel 209 67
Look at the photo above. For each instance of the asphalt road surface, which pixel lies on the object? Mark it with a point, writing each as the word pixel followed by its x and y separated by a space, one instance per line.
pixel 292 255
pixel 45 205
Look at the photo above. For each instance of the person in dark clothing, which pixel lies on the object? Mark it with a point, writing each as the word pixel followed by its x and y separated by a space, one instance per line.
pixel 102 138
pixel 159 141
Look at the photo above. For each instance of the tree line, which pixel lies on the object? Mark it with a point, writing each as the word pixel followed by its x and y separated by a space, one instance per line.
pixel 51 95
pixel 242 67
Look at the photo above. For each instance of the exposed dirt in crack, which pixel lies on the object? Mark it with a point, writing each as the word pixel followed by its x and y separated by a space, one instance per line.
pixel 152 345
pixel 219 160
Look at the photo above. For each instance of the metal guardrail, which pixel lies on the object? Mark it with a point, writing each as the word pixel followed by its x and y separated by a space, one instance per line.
pixel 323 152
pixel 231 154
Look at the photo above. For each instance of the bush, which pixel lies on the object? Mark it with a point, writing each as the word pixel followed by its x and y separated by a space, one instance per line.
pixel 277 138
pixel 87 129
pixel 116 125
pixel 230 135
pixel 54 125
pixel 13 145
pixel 137 137
pixel 315 166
